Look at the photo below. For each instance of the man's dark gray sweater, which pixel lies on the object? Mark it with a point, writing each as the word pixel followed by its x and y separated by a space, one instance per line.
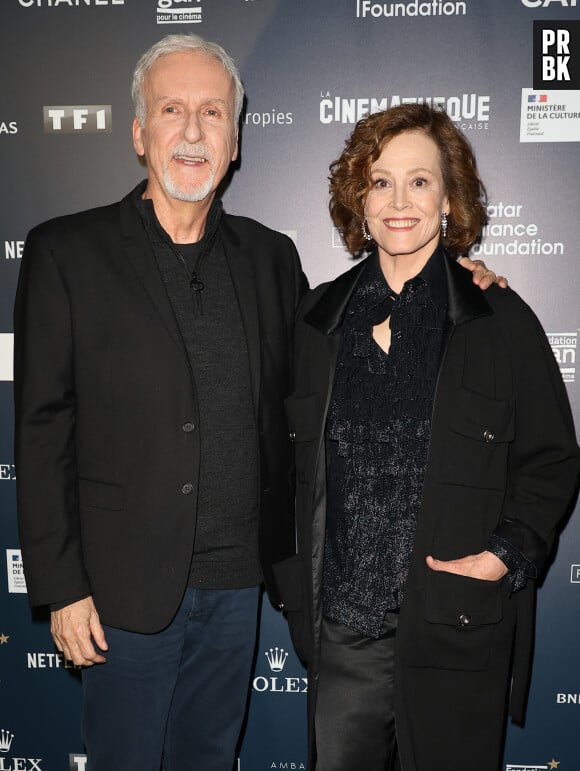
pixel 200 288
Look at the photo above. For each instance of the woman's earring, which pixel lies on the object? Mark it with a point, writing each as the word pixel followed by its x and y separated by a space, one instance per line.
pixel 366 235
pixel 444 224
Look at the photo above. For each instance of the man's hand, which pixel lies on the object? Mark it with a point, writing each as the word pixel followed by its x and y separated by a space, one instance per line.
pixel 485 566
pixel 483 277
pixel 73 627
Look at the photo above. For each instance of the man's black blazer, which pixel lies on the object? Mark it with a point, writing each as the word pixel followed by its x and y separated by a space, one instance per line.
pixel 106 462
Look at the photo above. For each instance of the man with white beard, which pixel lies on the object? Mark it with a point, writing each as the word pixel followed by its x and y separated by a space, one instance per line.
pixel 152 360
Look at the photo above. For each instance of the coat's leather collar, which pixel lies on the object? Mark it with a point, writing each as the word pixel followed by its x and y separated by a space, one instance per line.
pixel 466 301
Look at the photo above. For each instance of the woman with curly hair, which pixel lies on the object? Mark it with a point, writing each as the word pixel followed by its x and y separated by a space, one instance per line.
pixel 435 456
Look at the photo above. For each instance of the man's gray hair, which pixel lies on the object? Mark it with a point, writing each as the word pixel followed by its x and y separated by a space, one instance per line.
pixel 174 44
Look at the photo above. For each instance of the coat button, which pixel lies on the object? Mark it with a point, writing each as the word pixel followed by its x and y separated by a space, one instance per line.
pixel 465 619
pixel 280 606
pixel 187 488
pixel 188 427
pixel 292 436
pixel 488 436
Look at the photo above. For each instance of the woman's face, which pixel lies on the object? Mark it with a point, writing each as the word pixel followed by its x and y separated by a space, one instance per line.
pixel 403 207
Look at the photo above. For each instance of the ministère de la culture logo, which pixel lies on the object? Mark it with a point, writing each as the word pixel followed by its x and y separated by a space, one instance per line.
pixel 470 112
pixel 370 9
pixel 78 119
pixel 179 12
pixel 549 766
pixel 275 681
pixel 15 573
pixel 9 761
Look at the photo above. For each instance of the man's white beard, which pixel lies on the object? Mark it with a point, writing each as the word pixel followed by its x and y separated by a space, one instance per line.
pixel 191 193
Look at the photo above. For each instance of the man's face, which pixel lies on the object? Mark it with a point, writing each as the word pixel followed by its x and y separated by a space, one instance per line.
pixel 189 138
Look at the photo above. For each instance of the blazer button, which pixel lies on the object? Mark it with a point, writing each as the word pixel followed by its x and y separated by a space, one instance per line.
pixel 188 427
pixel 465 619
pixel 292 436
pixel 187 488
pixel 280 606
pixel 488 436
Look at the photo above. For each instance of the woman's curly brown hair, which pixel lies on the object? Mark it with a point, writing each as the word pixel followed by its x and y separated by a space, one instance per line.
pixel 350 179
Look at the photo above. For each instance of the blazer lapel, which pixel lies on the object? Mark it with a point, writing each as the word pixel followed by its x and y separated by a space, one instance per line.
pixel 140 255
pixel 327 314
pixel 242 273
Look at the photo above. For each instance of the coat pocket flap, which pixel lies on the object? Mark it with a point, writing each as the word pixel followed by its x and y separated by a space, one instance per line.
pixel 484 419
pixel 303 417
pixel 461 601
pixel 101 495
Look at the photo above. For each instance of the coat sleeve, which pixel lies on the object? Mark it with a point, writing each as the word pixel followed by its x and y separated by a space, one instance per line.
pixel 544 458
pixel 44 434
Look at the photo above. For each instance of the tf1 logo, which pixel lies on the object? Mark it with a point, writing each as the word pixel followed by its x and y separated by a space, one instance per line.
pixel 85 119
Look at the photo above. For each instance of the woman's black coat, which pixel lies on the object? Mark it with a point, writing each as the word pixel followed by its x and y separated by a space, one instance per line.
pixel 502 459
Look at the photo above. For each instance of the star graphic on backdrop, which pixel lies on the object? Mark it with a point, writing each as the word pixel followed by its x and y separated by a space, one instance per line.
pixel 554 763
pixel 4 639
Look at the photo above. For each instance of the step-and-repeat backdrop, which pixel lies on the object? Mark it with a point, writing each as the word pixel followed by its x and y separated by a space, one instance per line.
pixel 505 70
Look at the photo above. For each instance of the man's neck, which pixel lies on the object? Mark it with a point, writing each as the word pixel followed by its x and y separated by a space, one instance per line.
pixel 183 221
